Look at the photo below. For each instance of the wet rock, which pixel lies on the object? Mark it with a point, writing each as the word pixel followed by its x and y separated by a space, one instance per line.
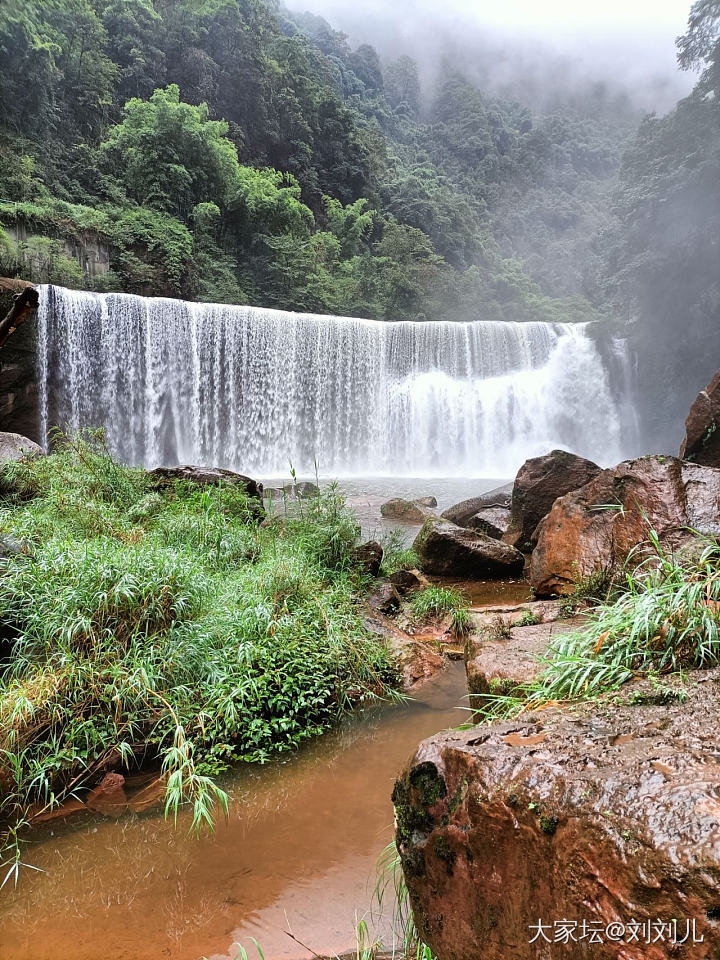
pixel 11 547
pixel 425 501
pixel 368 556
pixel 540 481
pixel 596 528
pixel 461 513
pixel 207 476
pixel 108 797
pixel 606 814
pixel 493 521
pixel 416 660
pixel 409 511
pixel 304 490
pixel 406 580
pixel 273 493
pixel 702 427
pixel 13 446
pixel 448 550
pixel 500 656
pixel 385 598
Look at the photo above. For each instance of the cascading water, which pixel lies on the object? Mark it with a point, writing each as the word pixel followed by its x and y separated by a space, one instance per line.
pixel 253 389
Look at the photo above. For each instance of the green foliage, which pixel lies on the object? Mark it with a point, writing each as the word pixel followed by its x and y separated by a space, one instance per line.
pixel 333 189
pixel 169 155
pixel 166 623
pixel 396 555
pixel 434 601
pixel 665 620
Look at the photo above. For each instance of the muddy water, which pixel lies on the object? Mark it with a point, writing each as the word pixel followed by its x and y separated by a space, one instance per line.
pixel 298 852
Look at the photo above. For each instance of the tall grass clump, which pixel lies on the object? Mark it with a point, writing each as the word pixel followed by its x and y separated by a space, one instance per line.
pixel 396 554
pixel 148 623
pixel 434 601
pixel 665 619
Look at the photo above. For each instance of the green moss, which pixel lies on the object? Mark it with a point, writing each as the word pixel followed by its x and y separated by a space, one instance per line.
pixel 444 852
pixel 548 825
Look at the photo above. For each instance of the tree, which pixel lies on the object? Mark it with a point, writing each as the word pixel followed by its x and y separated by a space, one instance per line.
pixel 170 156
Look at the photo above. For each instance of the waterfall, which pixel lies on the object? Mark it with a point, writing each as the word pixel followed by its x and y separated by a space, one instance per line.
pixel 252 389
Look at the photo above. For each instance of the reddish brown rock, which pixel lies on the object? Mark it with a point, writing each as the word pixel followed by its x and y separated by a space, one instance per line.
pixel 702 427
pixel 540 481
pixel 500 657
pixel 406 580
pixel 450 551
pixel 108 797
pixel 608 815
pixel 385 598
pixel 368 556
pixel 416 660
pixel 461 513
pixel 598 527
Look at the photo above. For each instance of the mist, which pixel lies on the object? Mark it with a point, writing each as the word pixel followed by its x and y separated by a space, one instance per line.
pixel 537 53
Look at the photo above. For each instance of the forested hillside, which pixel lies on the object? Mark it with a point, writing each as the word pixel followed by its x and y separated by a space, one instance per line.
pixel 662 264
pixel 229 150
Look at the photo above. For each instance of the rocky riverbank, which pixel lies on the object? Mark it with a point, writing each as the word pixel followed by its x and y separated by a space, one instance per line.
pixel 589 827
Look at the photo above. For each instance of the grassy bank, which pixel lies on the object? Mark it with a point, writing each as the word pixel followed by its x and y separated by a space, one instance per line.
pixel 662 618
pixel 164 625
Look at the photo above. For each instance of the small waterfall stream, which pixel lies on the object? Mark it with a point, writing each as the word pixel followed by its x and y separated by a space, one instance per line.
pixel 254 389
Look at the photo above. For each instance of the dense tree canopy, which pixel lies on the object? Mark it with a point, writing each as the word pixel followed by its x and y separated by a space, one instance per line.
pixel 231 150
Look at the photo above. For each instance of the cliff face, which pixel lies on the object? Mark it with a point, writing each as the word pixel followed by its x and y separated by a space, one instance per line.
pixel 19 406
pixel 608 815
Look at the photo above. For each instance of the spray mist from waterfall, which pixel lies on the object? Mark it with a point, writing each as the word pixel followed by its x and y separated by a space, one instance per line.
pixel 254 390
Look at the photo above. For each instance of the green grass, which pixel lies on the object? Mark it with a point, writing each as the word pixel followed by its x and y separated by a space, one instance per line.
pixel 435 601
pixel 663 619
pixel 396 555
pixel 165 626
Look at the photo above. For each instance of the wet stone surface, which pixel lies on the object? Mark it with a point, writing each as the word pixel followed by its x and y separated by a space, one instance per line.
pixel 609 812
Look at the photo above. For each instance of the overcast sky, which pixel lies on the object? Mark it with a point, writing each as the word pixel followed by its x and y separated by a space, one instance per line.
pixel 627 40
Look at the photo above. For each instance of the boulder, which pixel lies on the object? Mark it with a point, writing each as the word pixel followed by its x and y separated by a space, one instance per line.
pixel 493 521
pixel 425 501
pixel 417 661
pixel 385 598
pixel 13 446
pixel 303 490
pixel 368 556
pixel 597 528
pixel 462 512
pixel 607 815
pixel 702 427
pixel 448 550
pixel 409 511
pixel 207 476
pixel 406 580
pixel 540 481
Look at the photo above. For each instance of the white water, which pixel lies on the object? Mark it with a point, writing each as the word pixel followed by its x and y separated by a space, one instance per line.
pixel 253 389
